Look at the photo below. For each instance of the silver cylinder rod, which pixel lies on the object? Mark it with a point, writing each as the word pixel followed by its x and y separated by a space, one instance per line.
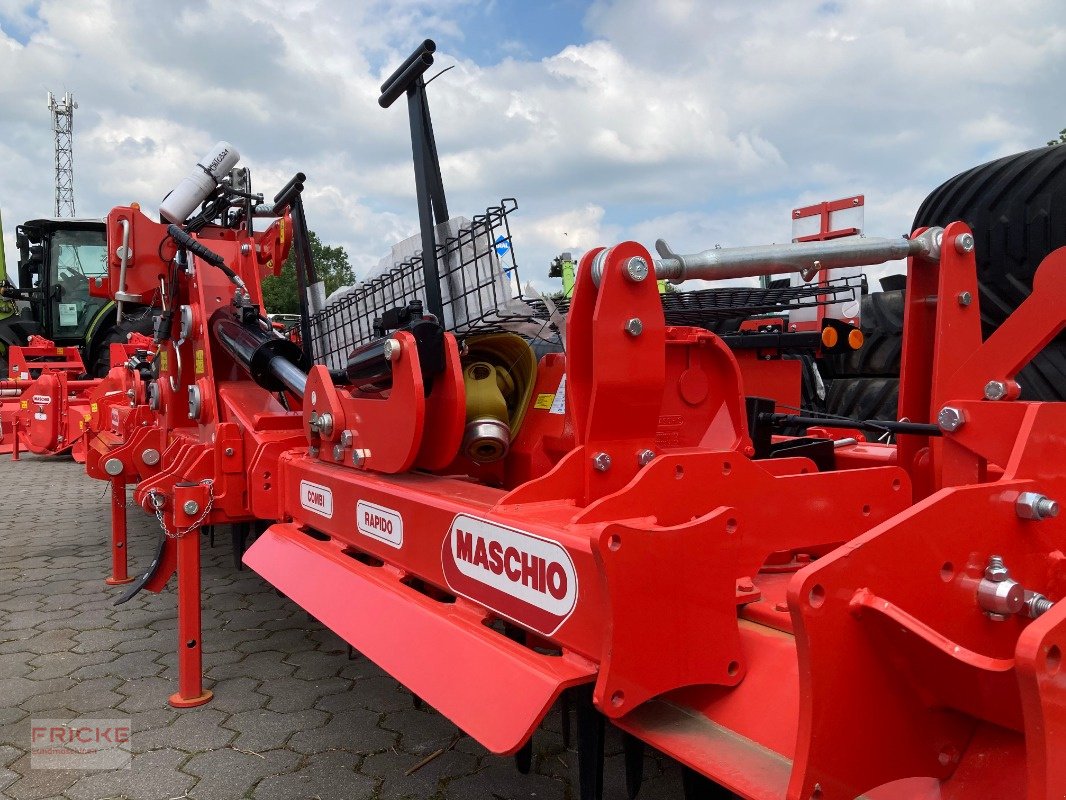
pixel 806 258
pixel 294 378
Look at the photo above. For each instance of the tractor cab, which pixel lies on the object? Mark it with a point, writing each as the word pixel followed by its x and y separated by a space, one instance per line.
pixel 57 259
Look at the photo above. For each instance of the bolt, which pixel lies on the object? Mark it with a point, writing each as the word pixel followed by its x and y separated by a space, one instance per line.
pixel 338 452
pixel 634 327
pixel 312 451
pixel 347 437
pixel 995 390
pixel 965 298
pixel 964 243
pixel 1032 505
pixel 602 462
pixel 996 570
pixel 113 467
pixel 1036 604
pixel 229 451
pixel 360 456
pixel 644 457
pixel 150 456
pixel 636 269
pixel 190 507
pixel 391 349
pixel 950 419
pixel 246 249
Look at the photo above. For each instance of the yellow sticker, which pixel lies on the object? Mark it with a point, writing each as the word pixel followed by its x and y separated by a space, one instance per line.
pixel 544 401
pixel 87 418
pixel 281 231
pixel 93 408
pixel 59 351
pixel 81 422
pixel 24 404
pixel 162 360
pixel 199 362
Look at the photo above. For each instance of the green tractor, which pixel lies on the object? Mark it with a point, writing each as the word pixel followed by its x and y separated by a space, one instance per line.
pixel 57 259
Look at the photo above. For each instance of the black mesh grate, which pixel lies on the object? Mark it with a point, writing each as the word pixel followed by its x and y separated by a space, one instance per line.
pixel 480 286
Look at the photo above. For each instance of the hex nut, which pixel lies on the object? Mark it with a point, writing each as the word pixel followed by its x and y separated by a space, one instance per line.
pixel 644 457
pixel 964 243
pixel 634 327
pixel 1033 505
pixel 950 419
pixel 995 390
pixel 601 462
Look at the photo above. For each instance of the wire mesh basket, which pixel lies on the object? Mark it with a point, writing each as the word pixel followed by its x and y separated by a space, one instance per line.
pixel 482 293
pixel 479 284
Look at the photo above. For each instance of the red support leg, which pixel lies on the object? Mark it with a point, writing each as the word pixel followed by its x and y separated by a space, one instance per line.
pixel 191 691
pixel 119 559
pixel 15 440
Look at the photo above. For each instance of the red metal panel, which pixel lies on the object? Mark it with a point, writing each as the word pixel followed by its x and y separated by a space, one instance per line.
pixel 493 688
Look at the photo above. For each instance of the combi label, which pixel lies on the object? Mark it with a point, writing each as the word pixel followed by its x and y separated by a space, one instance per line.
pixel 522 576
pixel 316 498
pixel 379 523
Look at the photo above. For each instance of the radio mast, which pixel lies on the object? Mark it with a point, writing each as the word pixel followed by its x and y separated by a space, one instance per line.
pixel 63 130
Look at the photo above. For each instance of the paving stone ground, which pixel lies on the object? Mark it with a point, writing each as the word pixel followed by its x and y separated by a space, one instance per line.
pixel 292 717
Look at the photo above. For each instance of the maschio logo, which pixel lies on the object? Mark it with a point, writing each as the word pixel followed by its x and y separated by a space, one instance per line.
pixel 42 399
pixel 525 577
pixel 379 523
pixel 316 498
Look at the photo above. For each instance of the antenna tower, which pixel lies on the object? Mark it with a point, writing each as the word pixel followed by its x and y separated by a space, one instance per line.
pixel 63 130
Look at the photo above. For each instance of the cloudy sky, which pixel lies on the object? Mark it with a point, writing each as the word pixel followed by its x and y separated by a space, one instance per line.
pixel 701 122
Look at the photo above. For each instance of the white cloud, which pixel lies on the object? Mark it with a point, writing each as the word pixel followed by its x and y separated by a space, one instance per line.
pixel 704 123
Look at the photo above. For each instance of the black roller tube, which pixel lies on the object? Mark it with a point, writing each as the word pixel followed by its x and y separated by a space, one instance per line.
pixel 406 80
pixel 875 425
pixel 427 47
pixel 271 360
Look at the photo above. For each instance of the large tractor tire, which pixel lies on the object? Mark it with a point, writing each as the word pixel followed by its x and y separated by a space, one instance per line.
pixel 99 361
pixel 863 398
pixel 1016 207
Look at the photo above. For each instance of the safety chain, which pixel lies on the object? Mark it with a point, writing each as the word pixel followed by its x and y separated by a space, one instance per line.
pixel 158 500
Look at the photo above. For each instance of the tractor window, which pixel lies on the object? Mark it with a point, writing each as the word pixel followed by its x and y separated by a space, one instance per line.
pixel 76 256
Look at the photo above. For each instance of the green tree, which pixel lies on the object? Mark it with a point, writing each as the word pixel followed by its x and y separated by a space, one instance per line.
pixel 280 295
pixel 1061 139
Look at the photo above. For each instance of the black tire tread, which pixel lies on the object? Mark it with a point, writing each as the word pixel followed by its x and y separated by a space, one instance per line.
pixel 863 398
pixel 1016 207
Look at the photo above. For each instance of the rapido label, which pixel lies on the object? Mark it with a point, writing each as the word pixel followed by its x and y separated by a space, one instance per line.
pixel 379 523
pixel 525 577
pixel 316 498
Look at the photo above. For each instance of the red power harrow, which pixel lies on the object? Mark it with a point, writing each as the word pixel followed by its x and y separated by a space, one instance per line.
pixel 45 405
pixel 812 618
